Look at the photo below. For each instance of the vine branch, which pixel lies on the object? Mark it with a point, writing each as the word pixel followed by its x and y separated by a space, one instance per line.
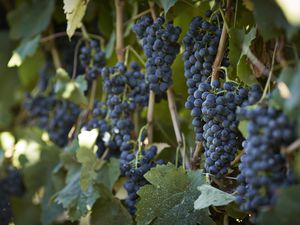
pixel 119 4
pixel 64 34
pixel 222 44
pixel 291 148
pixel 195 162
pixel 150 116
pixel 237 158
pixel 54 53
pixel 75 60
pixel 152 9
pixel 151 103
pixel 270 74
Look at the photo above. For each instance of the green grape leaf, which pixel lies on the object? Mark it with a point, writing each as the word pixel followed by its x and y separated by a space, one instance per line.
pixel 10 83
pixel 109 210
pixel 167 4
pixel 25 212
pixel 85 180
pixel 272 24
pixel 244 72
pixel 233 211
pixel 72 197
pixel 170 197
pixel 37 159
pixel 81 83
pixel 74 10
pixel 72 90
pixel 29 70
pixel 109 49
pixel 109 173
pixel 286 95
pixel 50 210
pixel 37 14
pixel 86 155
pixel 212 196
pixel 243 128
pixel 286 210
pixel 25 49
pixel 239 44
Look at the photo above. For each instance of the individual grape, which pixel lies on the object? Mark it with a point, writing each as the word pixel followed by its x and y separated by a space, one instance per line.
pixel 159 41
pixel 263 168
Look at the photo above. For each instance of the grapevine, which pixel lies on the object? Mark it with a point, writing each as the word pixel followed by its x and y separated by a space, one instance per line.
pixel 149 112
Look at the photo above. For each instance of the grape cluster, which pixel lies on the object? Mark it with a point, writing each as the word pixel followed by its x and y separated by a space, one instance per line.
pixel 98 121
pixel 64 117
pixel 55 116
pixel 92 58
pixel 159 41
pixel 215 122
pixel 201 44
pixel 126 90
pixel 39 107
pixel 263 168
pixel 11 185
pixel 119 106
pixel 139 88
pixel 135 172
pixel 220 131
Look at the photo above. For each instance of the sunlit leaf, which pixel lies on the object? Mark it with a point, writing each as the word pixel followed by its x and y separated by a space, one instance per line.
pixel 74 10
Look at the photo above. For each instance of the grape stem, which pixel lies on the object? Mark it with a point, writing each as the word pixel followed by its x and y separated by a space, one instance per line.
pixel 255 61
pixel 140 145
pixel 222 44
pixel 176 126
pixel 195 162
pixel 291 148
pixel 55 54
pixel 138 15
pixel 225 220
pixel 130 49
pixel 75 60
pixel 237 158
pixel 280 56
pixel 119 4
pixel 270 74
pixel 92 95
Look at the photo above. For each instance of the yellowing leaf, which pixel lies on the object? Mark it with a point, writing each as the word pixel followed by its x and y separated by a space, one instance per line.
pixel 25 49
pixel 74 10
